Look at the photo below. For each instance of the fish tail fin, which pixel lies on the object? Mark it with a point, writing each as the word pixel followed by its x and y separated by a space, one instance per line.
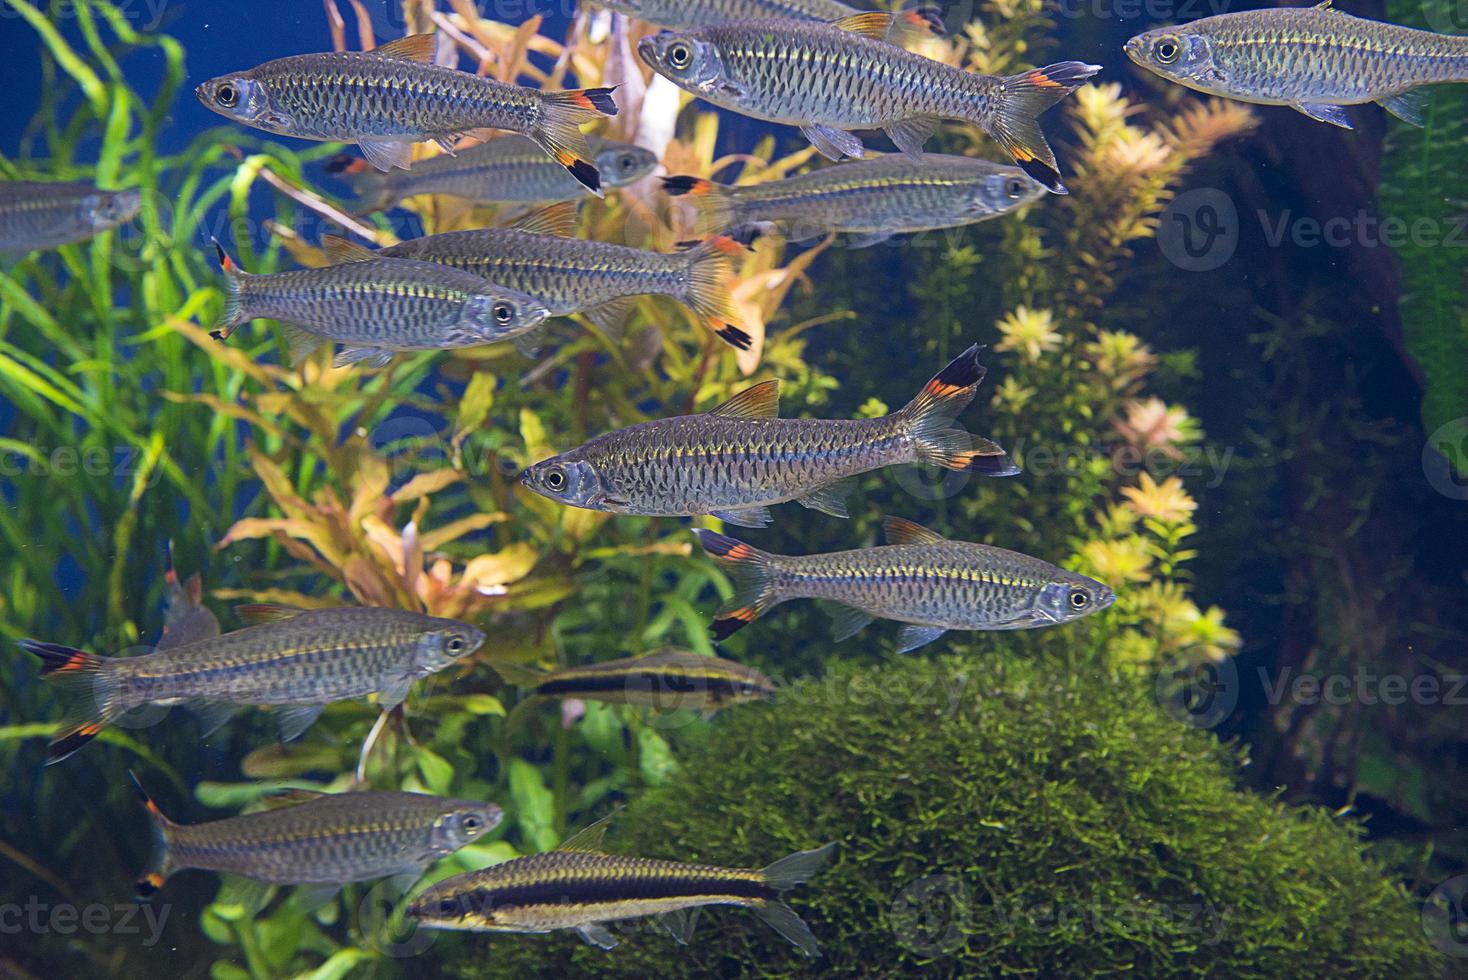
pixel 754 581
pixel 370 184
pixel 715 202
pixel 234 307
pixel 158 871
pixel 783 875
pixel 929 419
pixel 92 682
pixel 710 270
pixel 1017 125
pixel 559 130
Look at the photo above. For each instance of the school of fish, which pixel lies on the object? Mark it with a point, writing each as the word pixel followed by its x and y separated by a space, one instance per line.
pixel 823 66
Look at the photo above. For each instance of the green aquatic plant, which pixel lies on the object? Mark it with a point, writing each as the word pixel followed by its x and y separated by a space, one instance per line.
pixel 1072 829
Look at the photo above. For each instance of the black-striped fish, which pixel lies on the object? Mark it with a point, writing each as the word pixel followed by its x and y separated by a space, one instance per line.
pixel 869 199
pixel 1313 59
pixel 376 307
pixel 327 839
pixel 43 214
pixel 919 578
pixel 296 660
pixel 541 256
pixel 737 460
pixel 509 170
pixel 829 79
pixel 387 99
pixel 680 14
pixel 666 679
pixel 580 887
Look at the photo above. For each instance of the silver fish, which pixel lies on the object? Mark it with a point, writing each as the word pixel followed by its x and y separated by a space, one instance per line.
pixel 919 578
pixel 737 460
pixel 1313 59
pixel 541 257
pixel 377 306
pixel 579 887
pixel 870 199
pixel 41 214
pixel 509 170
pixel 297 660
pixel 326 839
pixel 389 98
pixel 829 79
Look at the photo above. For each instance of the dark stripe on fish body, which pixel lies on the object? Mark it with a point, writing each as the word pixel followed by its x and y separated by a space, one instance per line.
pixel 716 686
pixel 603 883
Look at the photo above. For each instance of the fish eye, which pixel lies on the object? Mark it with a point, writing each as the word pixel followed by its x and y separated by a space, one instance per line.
pixel 448 906
pixel 1166 50
pixel 555 479
pixel 627 162
pixel 227 95
pixel 473 824
pixel 503 314
pixel 1015 187
pixel 680 55
pixel 455 644
pixel 1079 599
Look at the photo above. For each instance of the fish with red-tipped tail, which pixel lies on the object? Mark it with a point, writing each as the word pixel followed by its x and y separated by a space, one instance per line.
pixel 737 460
pixel 919 578
pixel 830 79
pixel 389 98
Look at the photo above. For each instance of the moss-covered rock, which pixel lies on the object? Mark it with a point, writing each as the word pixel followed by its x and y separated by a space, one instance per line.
pixel 994 818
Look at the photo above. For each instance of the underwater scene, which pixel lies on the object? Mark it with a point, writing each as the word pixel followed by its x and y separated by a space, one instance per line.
pixel 734 488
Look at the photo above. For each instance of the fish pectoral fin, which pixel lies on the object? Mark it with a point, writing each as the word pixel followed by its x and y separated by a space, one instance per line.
pixel 293 719
pixel 866 239
pixel 371 357
pixel 386 155
pixel 1408 107
pixel 911 134
pixel 393 693
pixel 831 498
pixel 212 715
pixel 313 897
pixel 1321 112
pixel 530 343
pixel 834 144
pixel 597 935
pixel 680 924
pixel 912 636
pixel 846 621
pixel 746 516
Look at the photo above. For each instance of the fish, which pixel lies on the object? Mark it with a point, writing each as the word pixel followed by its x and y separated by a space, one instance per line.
pixel 870 199
pixel 293 659
pixel 580 887
pixel 737 460
pixel 541 257
pixel 38 214
pixel 667 679
pixel 323 839
pixel 680 14
pixel 376 307
pixel 387 99
pixel 509 170
pixel 831 78
pixel 920 578
pixel 1313 59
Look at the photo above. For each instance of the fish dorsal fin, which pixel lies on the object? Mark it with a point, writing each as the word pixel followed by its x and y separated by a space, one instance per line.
pixel 266 612
pixel 558 220
pixel 901 531
pixel 590 838
pixel 414 47
pixel 760 402
pixel 289 797
pixel 342 252
pixel 1324 5
pixel 872 25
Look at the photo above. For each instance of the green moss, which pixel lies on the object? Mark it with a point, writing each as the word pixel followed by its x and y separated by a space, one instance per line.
pixel 998 820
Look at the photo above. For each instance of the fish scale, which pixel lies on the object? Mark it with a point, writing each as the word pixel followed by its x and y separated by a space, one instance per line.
pixel 45 214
